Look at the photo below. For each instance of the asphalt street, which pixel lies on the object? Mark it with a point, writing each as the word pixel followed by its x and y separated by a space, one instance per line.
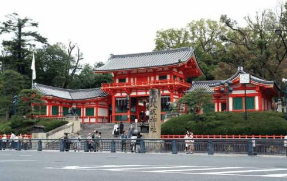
pixel 44 166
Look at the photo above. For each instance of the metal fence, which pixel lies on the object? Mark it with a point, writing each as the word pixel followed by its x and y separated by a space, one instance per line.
pixel 209 146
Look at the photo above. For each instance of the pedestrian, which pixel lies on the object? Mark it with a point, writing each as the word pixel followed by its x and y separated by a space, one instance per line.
pixel 147 115
pixel 25 142
pixel 131 130
pixel 11 139
pixel 77 142
pixel 16 139
pixel 133 142
pixel 142 114
pixel 138 142
pixel 89 139
pixel 100 141
pixel 66 142
pixel 121 128
pixel 116 126
pixel 20 137
pixel 4 141
pixel 189 143
pixel 124 141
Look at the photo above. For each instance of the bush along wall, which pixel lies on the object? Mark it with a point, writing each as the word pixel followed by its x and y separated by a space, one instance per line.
pixel 258 123
pixel 25 125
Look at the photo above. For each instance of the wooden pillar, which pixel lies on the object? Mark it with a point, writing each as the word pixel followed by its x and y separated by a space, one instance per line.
pixel 171 90
pixel 113 108
pixel 260 102
pixel 97 111
pixel 129 110
pixel 49 107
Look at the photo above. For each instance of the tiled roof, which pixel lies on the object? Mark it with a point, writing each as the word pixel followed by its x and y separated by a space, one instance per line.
pixel 71 94
pixel 213 83
pixel 208 84
pixel 148 59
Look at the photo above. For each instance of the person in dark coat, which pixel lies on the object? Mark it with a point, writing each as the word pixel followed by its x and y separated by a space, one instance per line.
pixel 121 128
pixel 66 142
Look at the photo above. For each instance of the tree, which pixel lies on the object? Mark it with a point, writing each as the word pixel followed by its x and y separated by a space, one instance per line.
pixel 58 65
pixel 11 83
pixel 256 47
pixel 203 35
pixel 30 103
pixel 88 79
pixel 18 47
pixel 196 100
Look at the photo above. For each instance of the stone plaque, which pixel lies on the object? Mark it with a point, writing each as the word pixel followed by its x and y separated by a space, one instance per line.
pixel 154 114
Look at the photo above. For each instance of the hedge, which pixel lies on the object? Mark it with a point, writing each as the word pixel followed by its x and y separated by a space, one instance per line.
pixel 224 123
pixel 23 125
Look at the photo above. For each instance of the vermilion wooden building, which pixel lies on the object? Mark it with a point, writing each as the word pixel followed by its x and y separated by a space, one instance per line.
pixel 91 105
pixel 123 100
pixel 135 74
pixel 259 93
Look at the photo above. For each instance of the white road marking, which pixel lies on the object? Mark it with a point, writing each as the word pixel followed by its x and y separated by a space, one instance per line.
pixel 196 169
pixel 190 170
pixel 16 161
pixel 5 154
pixel 247 171
pixel 25 155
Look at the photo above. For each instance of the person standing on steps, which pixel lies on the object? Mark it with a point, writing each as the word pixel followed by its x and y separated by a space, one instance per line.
pixel 121 128
pixel 89 139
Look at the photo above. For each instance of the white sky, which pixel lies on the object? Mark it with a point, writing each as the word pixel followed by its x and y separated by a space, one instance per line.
pixel 105 27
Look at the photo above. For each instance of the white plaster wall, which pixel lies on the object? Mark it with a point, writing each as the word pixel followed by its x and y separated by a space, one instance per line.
pixel 103 112
pixel 230 103
pixel 256 103
pixel 242 92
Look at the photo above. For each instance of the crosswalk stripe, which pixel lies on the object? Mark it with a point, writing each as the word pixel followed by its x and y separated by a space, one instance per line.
pixel 275 175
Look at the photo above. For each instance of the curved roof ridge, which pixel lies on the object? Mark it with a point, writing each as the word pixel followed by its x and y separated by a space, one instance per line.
pixel 64 89
pixel 151 53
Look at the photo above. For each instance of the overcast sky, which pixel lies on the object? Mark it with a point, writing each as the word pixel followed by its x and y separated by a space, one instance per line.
pixel 104 27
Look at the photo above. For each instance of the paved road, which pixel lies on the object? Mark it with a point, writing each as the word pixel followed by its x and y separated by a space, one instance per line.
pixel 56 166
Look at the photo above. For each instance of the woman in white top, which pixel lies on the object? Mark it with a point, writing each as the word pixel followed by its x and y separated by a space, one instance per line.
pixel 189 143
pixel 4 141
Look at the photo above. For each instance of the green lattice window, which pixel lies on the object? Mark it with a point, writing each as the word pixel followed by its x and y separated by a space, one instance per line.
pixel 121 117
pixel 250 103
pixel 65 111
pixel 40 110
pixel 90 112
pixel 55 110
pixel 78 111
pixel 237 103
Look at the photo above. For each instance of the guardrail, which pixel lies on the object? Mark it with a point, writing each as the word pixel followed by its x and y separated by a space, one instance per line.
pixel 174 146
pixel 226 136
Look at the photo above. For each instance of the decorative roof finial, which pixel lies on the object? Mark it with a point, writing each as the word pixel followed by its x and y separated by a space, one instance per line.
pixel 240 68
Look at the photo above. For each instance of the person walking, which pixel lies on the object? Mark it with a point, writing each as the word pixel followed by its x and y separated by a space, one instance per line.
pixel 124 141
pixel 77 142
pixel 189 143
pixel 16 140
pixel 4 141
pixel 121 128
pixel 100 142
pixel 89 139
pixel 131 130
pixel 116 127
pixel 25 142
pixel 11 139
pixel 66 142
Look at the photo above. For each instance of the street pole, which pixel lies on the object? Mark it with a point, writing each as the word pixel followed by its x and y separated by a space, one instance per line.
pixel 286 101
pixel 245 110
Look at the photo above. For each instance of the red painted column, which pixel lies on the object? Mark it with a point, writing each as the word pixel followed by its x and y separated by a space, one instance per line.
pixel 260 102
pixel 49 107
pixel 113 108
pixel 97 111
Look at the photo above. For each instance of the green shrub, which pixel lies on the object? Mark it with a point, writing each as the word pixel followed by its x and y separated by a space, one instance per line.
pixel 23 125
pixel 258 123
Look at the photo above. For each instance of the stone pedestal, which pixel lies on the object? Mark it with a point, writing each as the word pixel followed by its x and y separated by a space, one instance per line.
pixel 155 114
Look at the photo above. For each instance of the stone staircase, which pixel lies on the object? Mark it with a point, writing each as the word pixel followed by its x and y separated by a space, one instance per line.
pixel 105 128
